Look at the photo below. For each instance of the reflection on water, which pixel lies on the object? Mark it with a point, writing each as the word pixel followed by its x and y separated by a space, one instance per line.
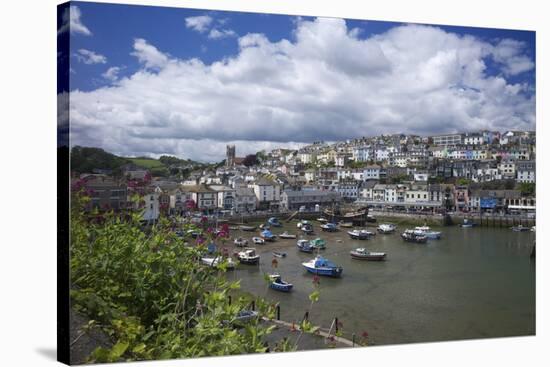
pixel 472 283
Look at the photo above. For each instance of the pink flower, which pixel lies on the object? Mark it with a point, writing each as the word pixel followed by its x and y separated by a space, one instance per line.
pixel 204 219
pixel 316 280
pixel 364 334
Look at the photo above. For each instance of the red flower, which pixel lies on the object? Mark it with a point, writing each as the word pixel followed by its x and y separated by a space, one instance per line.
pixel 204 219
pixel 365 334
pixel 316 280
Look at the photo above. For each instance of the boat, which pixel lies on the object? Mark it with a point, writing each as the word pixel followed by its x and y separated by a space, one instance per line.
pixel 520 228
pixel 533 229
pixel 233 228
pixel 287 236
pixel 278 284
pixel 301 223
pixel 318 243
pixel 215 261
pixel 240 242
pixel 307 228
pixel 193 233
pixel 258 240
pixel 267 235
pixel 386 228
pixel 363 254
pixel 425 230
pixel 466 223
pixel 329 227
pixel 279 254
pixel 274 222
pixel 371 219
pixel 304 246
pixel 360 214
pixel 322 220
pixel 248 256
pixel 362 234
pixel 346 224
pixel 247 228
pixel 246 316
pixel 413 236
pixel 321 266
pixel 263 226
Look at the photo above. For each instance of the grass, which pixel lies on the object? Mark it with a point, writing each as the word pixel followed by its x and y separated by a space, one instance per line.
pixel 147 163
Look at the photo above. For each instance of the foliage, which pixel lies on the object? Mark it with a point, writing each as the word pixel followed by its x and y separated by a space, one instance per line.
pixel 527 188
pixel 463 181
pixel 86 159
pixel 147 290
pixel 250 160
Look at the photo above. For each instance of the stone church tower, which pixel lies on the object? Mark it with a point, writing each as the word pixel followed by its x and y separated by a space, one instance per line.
pixel 230 156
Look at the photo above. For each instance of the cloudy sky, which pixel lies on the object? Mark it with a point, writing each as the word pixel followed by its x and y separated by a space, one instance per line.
pixel 153 81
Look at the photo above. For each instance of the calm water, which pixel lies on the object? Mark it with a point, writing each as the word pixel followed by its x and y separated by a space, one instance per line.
pixel 472 283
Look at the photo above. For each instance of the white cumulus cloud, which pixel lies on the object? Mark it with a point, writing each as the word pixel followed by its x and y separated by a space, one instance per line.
pixel 112 73
pixel 90 57
pixel 219 34
pixel 71 21
pixel 199 23
pixel 325 84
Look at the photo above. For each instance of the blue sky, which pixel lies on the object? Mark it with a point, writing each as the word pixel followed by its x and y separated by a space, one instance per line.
pixel 161 80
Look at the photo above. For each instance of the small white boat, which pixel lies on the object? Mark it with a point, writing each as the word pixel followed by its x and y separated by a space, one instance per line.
pixel 520 228
pixel 362 234
pixel 287 236
pixel 258 240
pixel 322 220
pixel 240 242
pixel 363 254
pixel 533 229
pixel 426 231
pixel 215 261
pixel 386 228
pixel 346 224
pixel 248 256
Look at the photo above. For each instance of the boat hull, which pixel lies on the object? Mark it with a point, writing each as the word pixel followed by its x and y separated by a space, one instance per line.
pixel 281 287
pixel 368 257
pixel 329 272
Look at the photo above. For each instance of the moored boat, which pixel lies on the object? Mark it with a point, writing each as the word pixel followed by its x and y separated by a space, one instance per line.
pixel 322 220
pixel 466 223
pixel 321 266
pixel 362 234
pixel 267 235
pixel 426 231
pixel 318 243
pixel 304 246
pixel 412 236
pixel 214 262
pixel 285 235
pixel 329 227
pixel 386 228
pixel 279 254
pixel 520 228
pixel 247 228
pixel 363 254
pixel 278 284
pixel 258 240
pixel 346 224
pixel 307 228
pixel 240 242
pixel 248 256
pixel 274 222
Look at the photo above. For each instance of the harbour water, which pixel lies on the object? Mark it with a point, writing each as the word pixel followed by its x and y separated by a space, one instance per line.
pixel 472 283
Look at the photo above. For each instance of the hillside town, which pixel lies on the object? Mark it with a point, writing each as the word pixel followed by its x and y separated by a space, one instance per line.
pixel 481 172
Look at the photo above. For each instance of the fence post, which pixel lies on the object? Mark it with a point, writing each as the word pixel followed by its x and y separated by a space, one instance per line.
pixel 353 340
pixel 229 300
pixel 336 324
pixel 306 316
pixel 278 312
pixel 254 305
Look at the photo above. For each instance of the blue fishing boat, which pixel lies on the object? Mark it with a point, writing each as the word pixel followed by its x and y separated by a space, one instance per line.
pixel 329 227
pixel 267 235
pixel 322 266
pixel 273 221
pixel 304 246
pixel 278 284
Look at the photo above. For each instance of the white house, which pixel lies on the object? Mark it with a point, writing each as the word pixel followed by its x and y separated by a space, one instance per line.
pixel 268 193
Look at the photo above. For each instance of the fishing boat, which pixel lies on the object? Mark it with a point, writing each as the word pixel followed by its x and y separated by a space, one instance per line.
pixel 267 235
pixel 240 242
pixel 412 236
pixel 263 226
pixel 245 316
pixel 371 219
pixel 279 254
pixel 426 231
pixel 322 220
pixel 287 236
pixel 520 228
pixel 346 224
pixel 233 228
pixel 466 223
pixel 386 228
pixel 247 228
pixel 301 223
pixel 321 266
pixel 274 222
pixel 248 256
pixel 278 284
pixel 307 228
pixel 258 240
pixel 215 261
pixel 318 243
pixel 362 234
pixel 363 254
pixel 304 246
pixel 329 227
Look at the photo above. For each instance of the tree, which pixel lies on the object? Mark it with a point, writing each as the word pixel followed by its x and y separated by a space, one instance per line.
pixel 527 188
pixel 250 160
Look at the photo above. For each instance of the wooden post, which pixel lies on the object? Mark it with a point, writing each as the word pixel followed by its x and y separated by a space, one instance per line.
pixel 278 312
pixel 253 304
pixel 353 340
pixel 229 300
pixel 336 324
pixel 306 316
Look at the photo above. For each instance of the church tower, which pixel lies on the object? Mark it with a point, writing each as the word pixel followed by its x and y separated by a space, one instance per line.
pixel 230 156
